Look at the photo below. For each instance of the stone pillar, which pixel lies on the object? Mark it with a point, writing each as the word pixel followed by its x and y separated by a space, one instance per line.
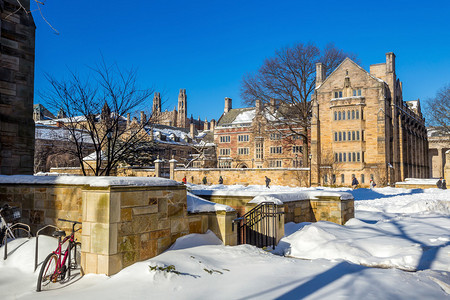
pixel 172 164
pixel 101 215
pixel 158 163
pixel 447 166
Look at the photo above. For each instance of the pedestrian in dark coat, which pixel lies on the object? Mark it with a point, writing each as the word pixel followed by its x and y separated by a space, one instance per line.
pixel 267 182
pixel 439 183
pixel 354 183
pixel 204 180
pixel 220 180
pixel 444 184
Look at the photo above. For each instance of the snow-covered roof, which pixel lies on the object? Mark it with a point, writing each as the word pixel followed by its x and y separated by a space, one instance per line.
pixel 46 132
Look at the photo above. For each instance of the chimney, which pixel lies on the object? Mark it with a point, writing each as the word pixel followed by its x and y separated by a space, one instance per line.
pixel 206 124
pixel 143 118
pixel 258 106
pixel 59 124
pixel 192 130
pixel 390 62
pixel 128 120
pixel 320 74
pixel 212 125
pixel 273 106
pixel 228 105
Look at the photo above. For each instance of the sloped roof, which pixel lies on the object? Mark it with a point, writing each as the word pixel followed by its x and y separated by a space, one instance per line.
pixel 237 115
pixel 358 66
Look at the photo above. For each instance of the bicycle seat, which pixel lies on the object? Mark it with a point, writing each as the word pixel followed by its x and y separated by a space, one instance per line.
pixel 60 233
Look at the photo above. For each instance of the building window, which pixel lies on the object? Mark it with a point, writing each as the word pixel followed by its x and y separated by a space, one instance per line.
pixel 297 163
pixel 343 115
pixel 335 115
pixel 224 164
pixel 275 164
pixel 345 157
pixel 340 136
pixel 357 114
pixel 339 115
pixel 335 136
pixel 325 179
pixel 276 150
pixel 297 149
pixel 225 139
pixel 354 156
pixel 338 94
pixel 362 158
pixel 362 135
pixel 243 151
pixel 336 157
pixel 340 157
pixel 353 114
pixel 243 138
pixel 348 115
pixel 225 151
pixel 371 176
pixel 349 136
pixel 353 135
pixel 342 178
pixel 362 178
pixel 358 156
pixel 357 92
pixel 343 136
pixel 357 135
pixel 349 156
pixel 259 150
pixel 275 136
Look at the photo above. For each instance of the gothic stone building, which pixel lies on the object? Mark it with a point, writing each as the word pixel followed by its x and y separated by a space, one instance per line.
pixel 16 88
pixel 361 126
pixel 246 139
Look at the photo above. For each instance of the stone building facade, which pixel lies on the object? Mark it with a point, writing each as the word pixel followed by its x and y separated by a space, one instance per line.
pixel 246 139
pixel 439 144
pixel 16 88
pixel 362 127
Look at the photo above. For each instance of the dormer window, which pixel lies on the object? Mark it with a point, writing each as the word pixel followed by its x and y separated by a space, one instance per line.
pixel 357 92
pixel 338 94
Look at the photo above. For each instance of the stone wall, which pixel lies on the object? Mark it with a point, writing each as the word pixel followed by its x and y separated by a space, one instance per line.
pixel 120 225
pixel 16 88
pixel 285 177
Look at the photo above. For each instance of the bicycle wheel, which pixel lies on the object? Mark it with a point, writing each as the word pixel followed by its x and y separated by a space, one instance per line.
pixel 49 273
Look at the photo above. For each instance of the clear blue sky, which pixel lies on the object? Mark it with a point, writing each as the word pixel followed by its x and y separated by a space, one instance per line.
pixel 207 46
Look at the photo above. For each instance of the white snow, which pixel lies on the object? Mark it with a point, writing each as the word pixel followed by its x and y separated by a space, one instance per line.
pixel 394 230
pixel 245 117
pixel 196 204
pixel 87 180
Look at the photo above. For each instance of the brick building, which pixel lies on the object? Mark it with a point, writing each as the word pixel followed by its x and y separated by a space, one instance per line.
pixel 16 87
pixel 246 138
pixel 361 126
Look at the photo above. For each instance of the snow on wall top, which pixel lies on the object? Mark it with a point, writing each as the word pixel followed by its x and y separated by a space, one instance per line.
pixel 196 204
pixel 94 181
pixel 245 117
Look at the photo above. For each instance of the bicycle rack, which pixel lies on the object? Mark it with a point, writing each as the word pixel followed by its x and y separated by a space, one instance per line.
pixel 5 255
pixel 37 244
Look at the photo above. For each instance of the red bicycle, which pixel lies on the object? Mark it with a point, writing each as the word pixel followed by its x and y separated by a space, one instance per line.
pixel 60 262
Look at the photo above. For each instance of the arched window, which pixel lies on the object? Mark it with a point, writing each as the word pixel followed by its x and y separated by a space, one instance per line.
pixel 343 115
pixel 353 135
pixel 348 115
pixel 354 156
pixel 340 157
pixel 349 156
pixel 339 114
pixel 343 135
pixel 353 114
pixel 335 115
pixel 340 136
pixel 349 136
pixel 345 156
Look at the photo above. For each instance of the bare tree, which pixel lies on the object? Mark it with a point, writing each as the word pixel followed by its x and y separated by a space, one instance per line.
pixel 330 168
pixel 438 110
pixel 94 110
pixel 286 82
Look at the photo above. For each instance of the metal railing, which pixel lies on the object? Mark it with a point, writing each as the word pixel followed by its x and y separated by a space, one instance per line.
pixel 258 227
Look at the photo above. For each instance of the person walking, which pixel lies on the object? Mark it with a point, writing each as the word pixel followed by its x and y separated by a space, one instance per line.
pixel 444 184
pixel 204 180
pixel 267 182
pixel 372 184
pixel 439 183
pixel 220 180
pixel 354 182
pixel 184 180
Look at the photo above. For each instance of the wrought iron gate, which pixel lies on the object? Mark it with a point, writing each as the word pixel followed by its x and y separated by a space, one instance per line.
pixel 258 227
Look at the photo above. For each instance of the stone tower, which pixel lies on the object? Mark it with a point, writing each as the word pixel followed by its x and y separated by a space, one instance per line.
pixel 182 109
pixel 156 103
pixel 17 82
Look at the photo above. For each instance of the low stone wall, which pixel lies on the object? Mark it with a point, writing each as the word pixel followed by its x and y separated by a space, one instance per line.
pixel 284 177
pixel 318 208
pixel 120 224
pixel 417 183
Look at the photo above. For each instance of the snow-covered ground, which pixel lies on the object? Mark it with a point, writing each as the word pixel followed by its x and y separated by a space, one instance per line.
pixel 396 247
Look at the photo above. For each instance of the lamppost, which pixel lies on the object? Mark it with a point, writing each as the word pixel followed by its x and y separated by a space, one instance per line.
pixel 389 173
pixel 108 136
pixel 310 168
